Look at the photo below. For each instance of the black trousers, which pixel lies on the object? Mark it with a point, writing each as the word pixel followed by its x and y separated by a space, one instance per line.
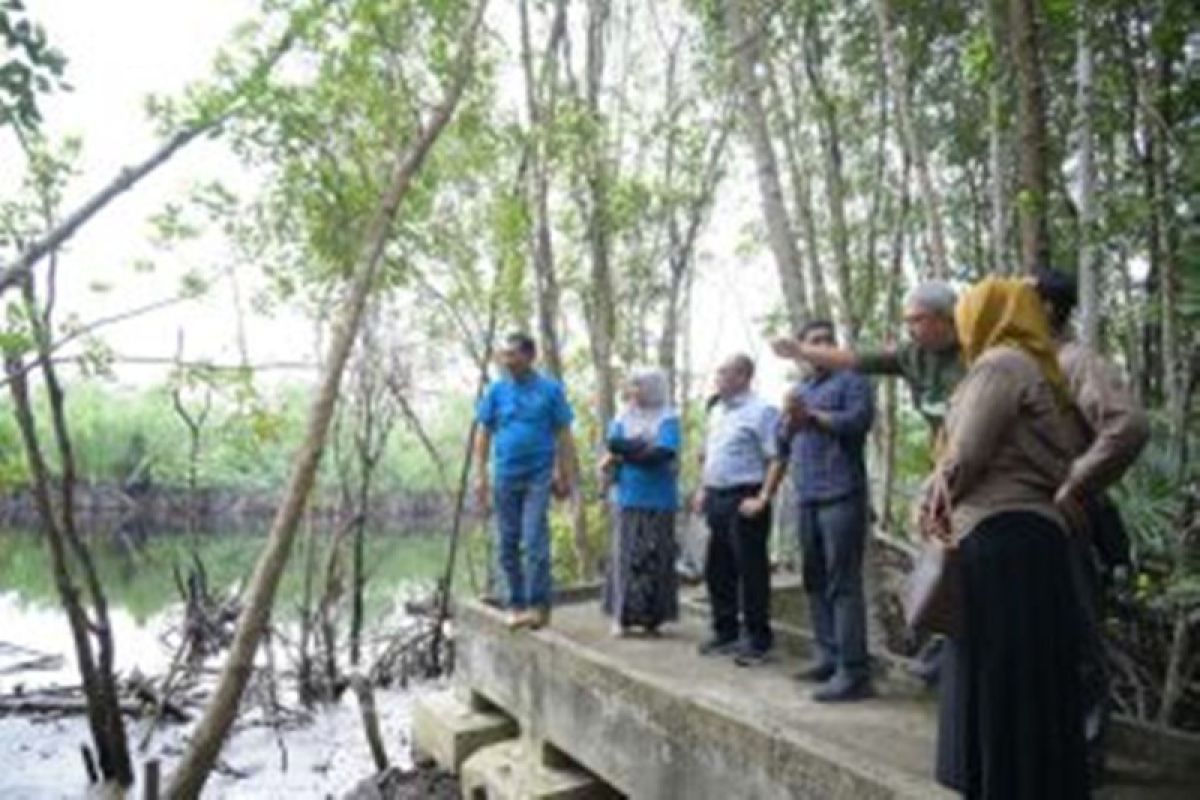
pixel 737 569
pixel 1094 677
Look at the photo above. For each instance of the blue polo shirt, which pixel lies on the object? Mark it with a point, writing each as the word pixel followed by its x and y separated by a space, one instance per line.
pixel 524 416
pixel 651 487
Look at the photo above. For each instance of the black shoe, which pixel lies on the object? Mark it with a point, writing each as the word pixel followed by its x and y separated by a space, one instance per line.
pixel 749 656
pixel 844 690
pixel 717 646
pixel 818 673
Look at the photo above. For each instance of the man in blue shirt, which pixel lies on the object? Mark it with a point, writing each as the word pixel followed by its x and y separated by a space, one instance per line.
pixel 823 434
pixel 525 427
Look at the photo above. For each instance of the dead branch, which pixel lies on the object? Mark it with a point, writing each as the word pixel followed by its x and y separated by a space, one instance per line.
pixel 128 177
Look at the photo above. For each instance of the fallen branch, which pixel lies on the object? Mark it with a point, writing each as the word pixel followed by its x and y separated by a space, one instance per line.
pixel 63 706
pixel 164 707
pixel 28 660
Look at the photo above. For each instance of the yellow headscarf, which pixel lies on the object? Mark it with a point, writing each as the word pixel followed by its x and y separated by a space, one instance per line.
pixel 1008 312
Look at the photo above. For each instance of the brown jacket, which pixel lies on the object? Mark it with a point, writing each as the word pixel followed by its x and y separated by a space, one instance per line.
pixel 1007 442
pixel 1111 428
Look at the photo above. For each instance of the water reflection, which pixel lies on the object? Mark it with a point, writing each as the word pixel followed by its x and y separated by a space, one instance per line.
pixel 144 601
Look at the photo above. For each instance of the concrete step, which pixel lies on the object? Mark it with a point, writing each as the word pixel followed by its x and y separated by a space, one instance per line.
pixel 513 770
pixel 448 730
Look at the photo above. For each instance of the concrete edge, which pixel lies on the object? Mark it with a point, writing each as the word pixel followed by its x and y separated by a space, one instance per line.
pixel 900 784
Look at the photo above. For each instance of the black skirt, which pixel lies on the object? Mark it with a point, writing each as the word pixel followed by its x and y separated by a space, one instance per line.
pixel 1011 724
pixel 642 587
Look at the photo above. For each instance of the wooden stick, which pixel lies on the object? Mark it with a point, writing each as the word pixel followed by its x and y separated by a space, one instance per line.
pixel 89 764
pixel 152 778
pixel 370 716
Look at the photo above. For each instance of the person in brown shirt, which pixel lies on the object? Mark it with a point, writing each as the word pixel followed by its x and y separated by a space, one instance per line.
pixel 1010 717
pixel 1110 429
pixel 1113 426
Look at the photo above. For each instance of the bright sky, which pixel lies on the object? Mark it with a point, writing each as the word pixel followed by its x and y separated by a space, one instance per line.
pixel 119 52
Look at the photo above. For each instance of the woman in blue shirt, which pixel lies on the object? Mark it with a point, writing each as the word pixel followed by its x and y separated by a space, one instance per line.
pixel 643 447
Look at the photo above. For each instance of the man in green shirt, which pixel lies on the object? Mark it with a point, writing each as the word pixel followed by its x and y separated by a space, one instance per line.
pixel 929 362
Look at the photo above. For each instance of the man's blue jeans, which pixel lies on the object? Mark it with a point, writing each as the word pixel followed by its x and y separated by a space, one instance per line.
pixel 523 528
pixel 832 538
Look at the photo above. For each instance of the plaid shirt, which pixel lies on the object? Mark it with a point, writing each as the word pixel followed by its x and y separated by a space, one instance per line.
pixel 827 463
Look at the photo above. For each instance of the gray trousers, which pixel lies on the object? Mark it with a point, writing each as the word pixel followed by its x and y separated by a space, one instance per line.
pixel 832 539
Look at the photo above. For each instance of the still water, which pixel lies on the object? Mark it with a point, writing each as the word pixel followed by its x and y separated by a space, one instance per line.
pixel 40 758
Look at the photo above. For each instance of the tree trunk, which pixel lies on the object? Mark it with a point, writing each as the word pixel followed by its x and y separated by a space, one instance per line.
pixel 869 300
pixel 103 708
pixel 745 44
pixel 189 777
pixel 829 133
pixel 1166 50
pixel 997 161
pixel 1142 145
pixel 895 278
pixel 910 132
pixel 1089 288
pixel 683 231
pixel 70 556
pixel 603 317
pixel 1033 193
pixel 819 303
pixel 543 252
pixel 358 578
pixel 538 185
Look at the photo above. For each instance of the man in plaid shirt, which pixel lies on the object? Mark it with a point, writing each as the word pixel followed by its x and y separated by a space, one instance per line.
pixel 822 436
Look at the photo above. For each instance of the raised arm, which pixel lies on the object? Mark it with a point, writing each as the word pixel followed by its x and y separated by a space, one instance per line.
pixel 832 358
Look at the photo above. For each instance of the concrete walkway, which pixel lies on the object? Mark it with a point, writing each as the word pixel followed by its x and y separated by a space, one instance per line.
pixel 649 715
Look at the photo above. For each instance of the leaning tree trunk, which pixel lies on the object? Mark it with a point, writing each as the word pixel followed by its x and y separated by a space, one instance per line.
pixel 746 49
pixel 910 132
pixel 190 775
pixel 1033 194
pixel 95 665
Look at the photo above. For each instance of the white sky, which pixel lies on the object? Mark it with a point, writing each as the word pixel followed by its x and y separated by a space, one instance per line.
pixel 119 52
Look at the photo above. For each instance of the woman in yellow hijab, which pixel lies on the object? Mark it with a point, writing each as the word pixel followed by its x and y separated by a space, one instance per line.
pixel 1011 720
pixel 1007 312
